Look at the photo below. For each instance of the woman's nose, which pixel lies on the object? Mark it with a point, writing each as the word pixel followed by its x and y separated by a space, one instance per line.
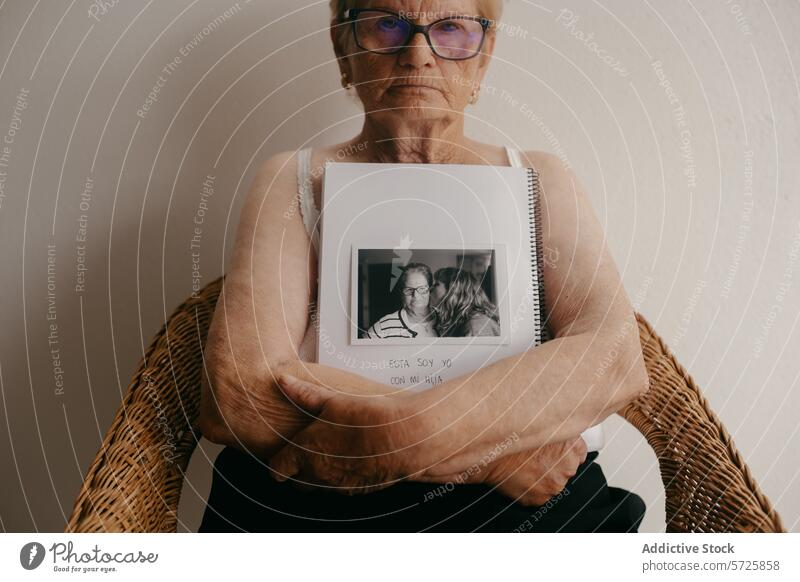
pixel 417 52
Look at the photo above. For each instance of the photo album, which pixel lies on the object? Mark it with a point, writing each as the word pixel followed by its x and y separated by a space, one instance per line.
pixel 429 271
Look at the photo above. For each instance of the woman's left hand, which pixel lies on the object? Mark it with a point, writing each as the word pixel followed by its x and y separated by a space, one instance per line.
pixel 357 444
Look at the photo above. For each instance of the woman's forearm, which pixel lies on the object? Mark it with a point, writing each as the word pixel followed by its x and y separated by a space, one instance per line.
pixel 549 394
pixel 334 378
pixel 546 395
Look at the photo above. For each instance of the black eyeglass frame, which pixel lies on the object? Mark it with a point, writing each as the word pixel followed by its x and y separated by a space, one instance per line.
pixel 351 14
pixel 416 290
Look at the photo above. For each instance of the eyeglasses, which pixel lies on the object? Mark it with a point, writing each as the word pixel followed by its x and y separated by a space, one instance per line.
pixel 422 290
pixel 386 33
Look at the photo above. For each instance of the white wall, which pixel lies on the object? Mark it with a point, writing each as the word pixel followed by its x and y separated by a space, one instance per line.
pixel 708 253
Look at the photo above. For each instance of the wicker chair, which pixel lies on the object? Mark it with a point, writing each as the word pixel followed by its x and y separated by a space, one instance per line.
pixel 134 482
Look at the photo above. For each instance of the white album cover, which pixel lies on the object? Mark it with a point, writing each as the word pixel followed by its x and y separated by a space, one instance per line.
pixel 429 272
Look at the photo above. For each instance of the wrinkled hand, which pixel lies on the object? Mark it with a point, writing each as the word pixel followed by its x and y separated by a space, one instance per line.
pixel 528 477
pixel 533 477
pixel 243 406
pixel 355 445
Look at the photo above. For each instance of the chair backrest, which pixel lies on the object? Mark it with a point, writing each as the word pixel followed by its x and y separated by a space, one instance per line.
pixel 708 486
pixel 134 482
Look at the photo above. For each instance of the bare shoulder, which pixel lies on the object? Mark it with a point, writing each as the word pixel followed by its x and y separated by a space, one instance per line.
pixel 271 212
pixel 273 191
pixel 277 173
pixel 581 280
pixel 538 158
pixel 552 170
pixel 565 204
pixel 564 198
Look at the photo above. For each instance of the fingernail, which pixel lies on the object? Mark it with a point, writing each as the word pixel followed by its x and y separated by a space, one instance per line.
pixel 287 378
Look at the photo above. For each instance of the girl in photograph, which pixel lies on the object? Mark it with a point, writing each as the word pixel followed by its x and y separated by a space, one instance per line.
pixel 461 305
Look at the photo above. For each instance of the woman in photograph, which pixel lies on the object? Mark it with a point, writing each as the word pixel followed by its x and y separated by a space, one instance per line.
pixel 414 319
pixel 298 434
pixel 461 305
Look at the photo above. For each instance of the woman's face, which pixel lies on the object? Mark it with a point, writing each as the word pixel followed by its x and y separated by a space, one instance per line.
pixel 439 85
pixel 416 301
pixel 438 291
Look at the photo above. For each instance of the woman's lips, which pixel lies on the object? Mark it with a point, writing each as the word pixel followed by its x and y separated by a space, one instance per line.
pixel 414 92
pixel 415 87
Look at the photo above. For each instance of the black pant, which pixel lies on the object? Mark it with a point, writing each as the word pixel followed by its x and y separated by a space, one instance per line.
pixel 245 497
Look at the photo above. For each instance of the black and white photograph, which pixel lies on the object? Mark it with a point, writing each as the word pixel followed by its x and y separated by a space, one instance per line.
pixel 428 295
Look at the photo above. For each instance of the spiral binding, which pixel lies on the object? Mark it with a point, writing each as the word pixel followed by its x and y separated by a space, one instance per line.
pixel 535 216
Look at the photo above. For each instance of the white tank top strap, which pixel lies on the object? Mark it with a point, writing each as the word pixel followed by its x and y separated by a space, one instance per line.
pixel 307 350
pixel 514 157
pixel 308 209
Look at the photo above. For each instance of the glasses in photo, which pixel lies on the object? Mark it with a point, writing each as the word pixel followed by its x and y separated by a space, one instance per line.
pixel 422 290
pixel 384 32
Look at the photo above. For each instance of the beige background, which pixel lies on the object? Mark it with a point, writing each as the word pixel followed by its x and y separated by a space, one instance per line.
pixel 709 258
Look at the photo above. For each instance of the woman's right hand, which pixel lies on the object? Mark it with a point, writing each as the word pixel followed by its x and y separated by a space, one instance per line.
pixel 528 477
pixel 532 477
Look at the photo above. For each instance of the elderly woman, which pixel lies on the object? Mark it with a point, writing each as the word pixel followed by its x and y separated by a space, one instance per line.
pixel 414 319
pixel 461 305
pixel 481 452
